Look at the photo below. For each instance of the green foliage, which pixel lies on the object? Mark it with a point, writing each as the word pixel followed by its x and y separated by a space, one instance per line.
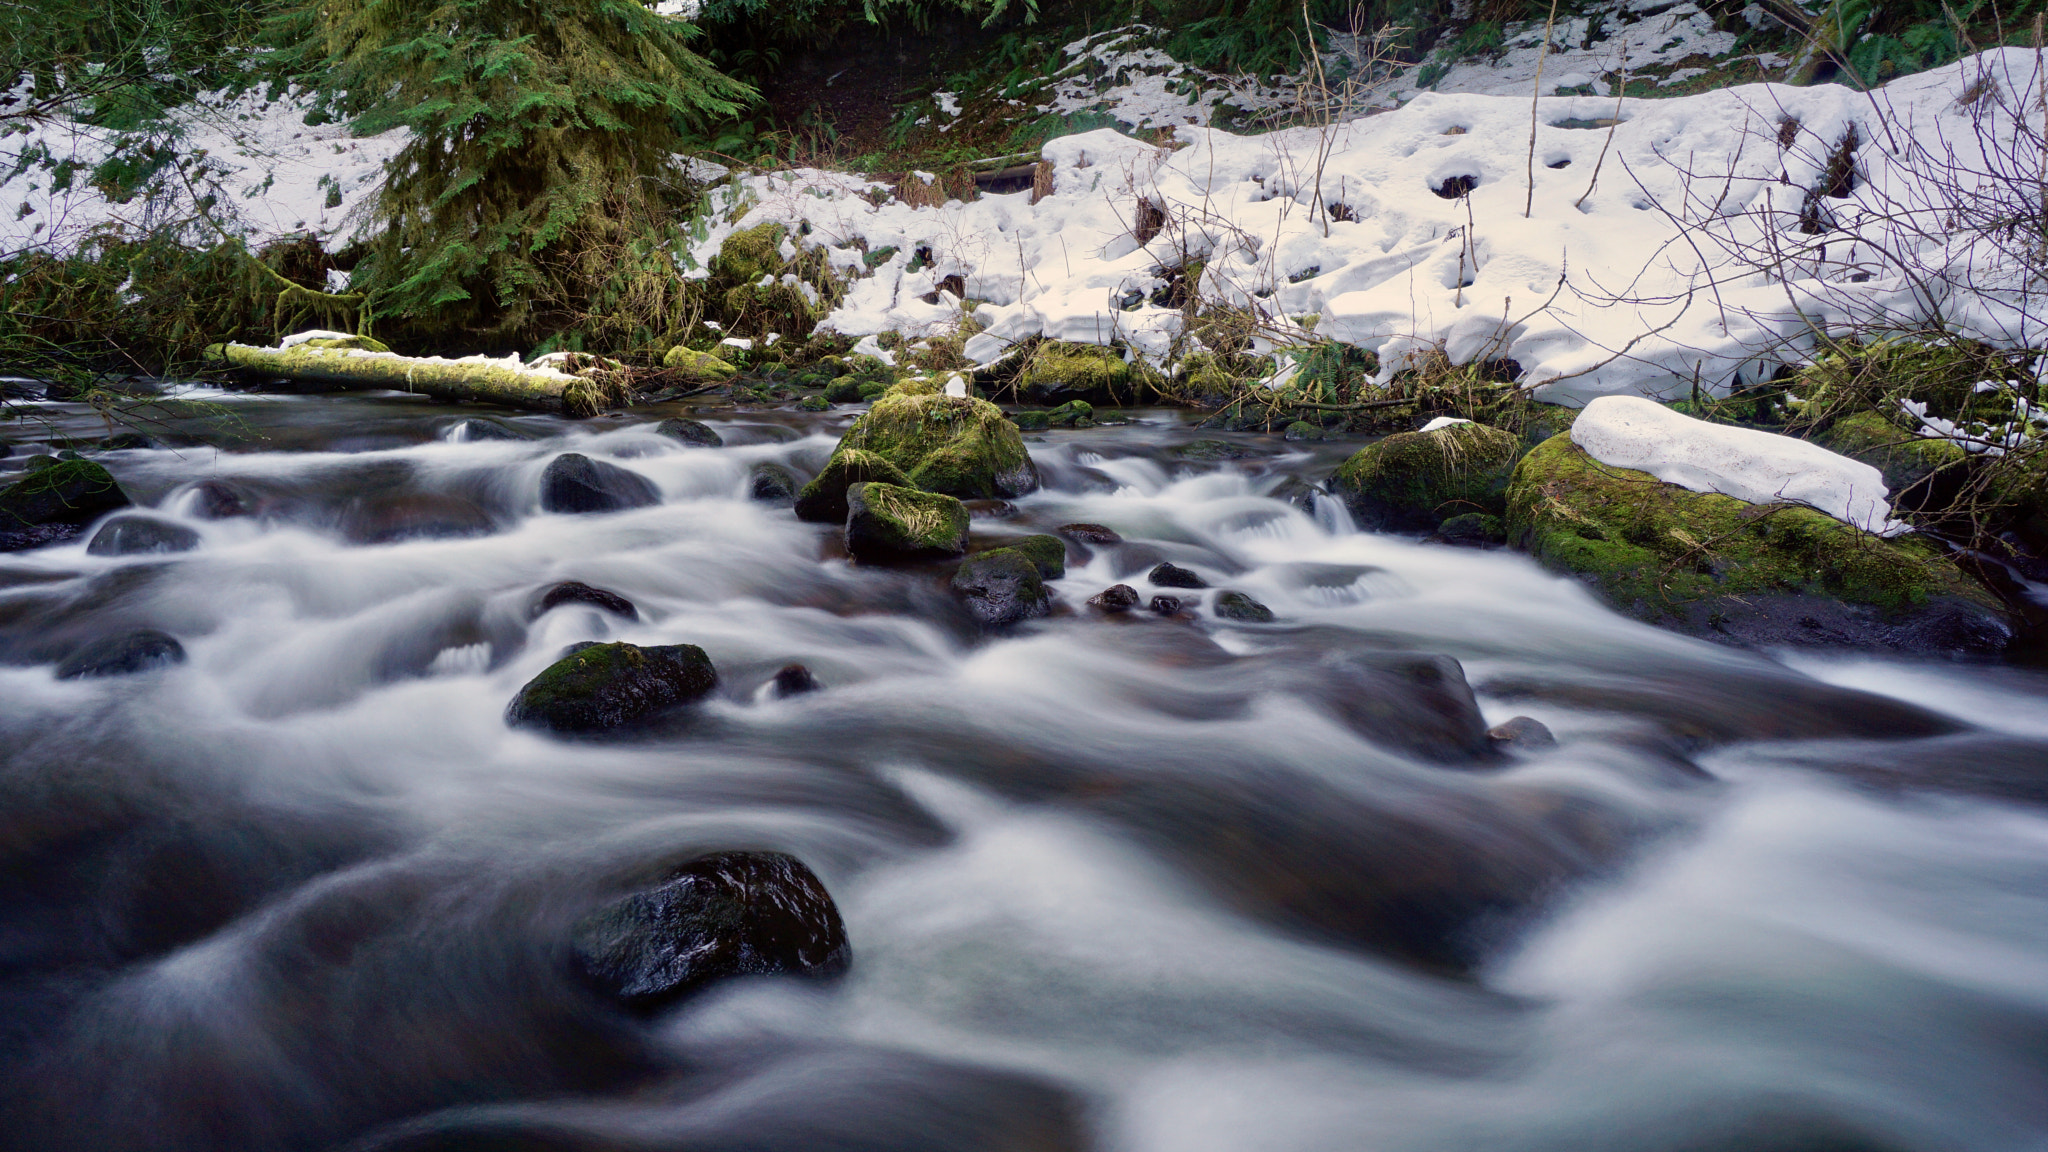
pixel 536 192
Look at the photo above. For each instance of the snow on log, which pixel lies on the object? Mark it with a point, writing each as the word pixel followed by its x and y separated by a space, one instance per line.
pixel 1758 467
pixel 345 361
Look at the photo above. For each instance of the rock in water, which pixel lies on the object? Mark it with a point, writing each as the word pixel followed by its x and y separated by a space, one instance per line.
pixel 1521 734
pixel 697 367
pixel 606 686
pixel 1412 481
pixel 886 522
pixel 122 655
pixel 219 500
pixel 1116 598
pixel 771 484
pixel 694 433
pixel 577 592
pixel 794 680
pixel 137 535
pixel 956 445
pixel 53 501
pixel 728 914
pixel 1753 574
pixel 823 500
pixel 576 483
pixel 1049 553
pixel 1167 575
pixel 1091 534
pixel 1001 587
pixel 1238 606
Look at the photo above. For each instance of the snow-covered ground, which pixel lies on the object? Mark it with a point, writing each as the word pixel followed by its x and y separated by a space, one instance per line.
pixel 1706 252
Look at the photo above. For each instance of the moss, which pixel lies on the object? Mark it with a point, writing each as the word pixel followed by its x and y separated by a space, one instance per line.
pixel 360 343
pixel 814 404
pixel 891 522
pixel 612 685
pixel 823 500
pixel 1877 376
pixel 1072 414
pixel 1413 480
pixel 957 445
pixel 1048 553
pixel 60 492
pixel 1904 458
pixel 917 386
pixel 1089 371
pixel 871 389
pixel 844 390
pixel 1654 548
pixel 749 254
pixel 1002 586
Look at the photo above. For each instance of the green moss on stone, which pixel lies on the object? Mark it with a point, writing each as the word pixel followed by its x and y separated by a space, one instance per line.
pixel 1904 458
pixel 60 492
pixel 1412 481
pixel 891 522
pixel 823 500
pixel 1048 553
pixel 698 367
pixel 612 685
pixel 957 445
pixel 1654 547
pixel 750 254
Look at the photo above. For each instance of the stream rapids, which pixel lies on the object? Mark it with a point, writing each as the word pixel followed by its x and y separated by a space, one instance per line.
pixel 1139 883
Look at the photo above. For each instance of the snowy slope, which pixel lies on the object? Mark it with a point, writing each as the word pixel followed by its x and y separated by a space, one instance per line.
pixel 1705 253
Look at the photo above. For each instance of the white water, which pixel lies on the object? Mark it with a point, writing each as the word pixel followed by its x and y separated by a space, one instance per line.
pixel 1773 957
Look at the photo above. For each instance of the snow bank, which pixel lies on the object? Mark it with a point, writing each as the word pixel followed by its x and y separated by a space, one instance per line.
pixel 1705 254
pixel 1759 467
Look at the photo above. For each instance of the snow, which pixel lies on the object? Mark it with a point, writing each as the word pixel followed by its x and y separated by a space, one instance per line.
pixel 542 367
pixel 1121 74
pixel 1442 422
pixel 1757 467
pixel 1683 266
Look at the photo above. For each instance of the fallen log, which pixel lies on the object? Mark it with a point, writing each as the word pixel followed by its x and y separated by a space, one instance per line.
pixel 345 361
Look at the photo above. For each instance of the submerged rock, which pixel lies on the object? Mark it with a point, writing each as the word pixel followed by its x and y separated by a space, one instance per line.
pixel 888 522
pixel 727 914
pixel 1002 586
pixel 771 484
pixel 823 500
pixel 577 592
pixel 1215 450
pixel 389 517
pixel 56 501
pixel 123 654
pixel 1521 734
pixel 955 445
pixel 607 686
pixel 138 535
pixel 1412 481
pixel 794 680
pixel 694 433
pixel 1238 606
pixel 575 483
pixel 219 500
pixel 1722 568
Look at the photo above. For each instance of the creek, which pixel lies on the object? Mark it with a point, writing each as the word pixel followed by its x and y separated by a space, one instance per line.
pixel 1111 882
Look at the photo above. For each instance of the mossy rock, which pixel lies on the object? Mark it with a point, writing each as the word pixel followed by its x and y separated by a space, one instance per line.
pixel 607 686
pixel 1877 376
pixel 1002 586
pixel 1072 414
pixel 1413 481
pixel 1084 371
pixel 1048 552
pixel 1238 606
pixel 1303 430
pixel 957 445
pixel 1908 462
pixel 1754 573
pixel 60 492
pixel 887 522
pixel 749 254
pixel 917 386
pixel 823 500
pixel 843 390
pixel 872 389
pixel 814 404
pixel 698 367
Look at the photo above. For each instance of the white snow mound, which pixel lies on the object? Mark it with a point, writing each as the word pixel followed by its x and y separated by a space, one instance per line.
pixel 1759 467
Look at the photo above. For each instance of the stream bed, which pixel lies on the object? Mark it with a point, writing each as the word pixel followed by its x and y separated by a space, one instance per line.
pixel 1120 882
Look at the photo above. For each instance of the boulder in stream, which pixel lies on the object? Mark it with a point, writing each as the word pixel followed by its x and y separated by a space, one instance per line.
pixel 122 654
pixel 609 686
pixel 955 445
pixel 771 483
pixel 55 502
pixel 1413 481
pixel 823 500
pixel 574 482
pixel 1002 586
pixel 1238 606
pixel 726 914
pixel 130 535
pixel 577 592
pixel 693 433
pixel 887 522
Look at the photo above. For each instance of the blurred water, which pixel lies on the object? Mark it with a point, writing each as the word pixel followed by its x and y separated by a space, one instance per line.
pixel 1124 884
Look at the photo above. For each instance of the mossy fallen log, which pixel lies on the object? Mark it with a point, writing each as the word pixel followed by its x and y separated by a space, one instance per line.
pixel 352 362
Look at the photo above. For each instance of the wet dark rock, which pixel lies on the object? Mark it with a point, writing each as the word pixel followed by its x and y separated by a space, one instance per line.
pixel 1471 530
pixel 723 915
pixel 137 535
pixel 1115 598
pixel 474 429
pixel 1165 605
pixel 392 516
pixel 1987 764
pixel 794 680
pixel 40 536
pixel 771 484
pixel 991 509
pixel 1238 606
pixel 1521 734
pixel 126 441
pixel 610 686
pixel 1417 703
pixel 63 492
pixel 885 523
pixel 576 483
pixel 577 592
pixel 219 500
pixel 1090 534
pixel 1169 575
pixel 1216 450
pixel 693 433
pixel 1001 587
pixel 123 654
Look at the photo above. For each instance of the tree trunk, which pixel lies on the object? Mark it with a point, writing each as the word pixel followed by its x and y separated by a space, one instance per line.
pixel 490 381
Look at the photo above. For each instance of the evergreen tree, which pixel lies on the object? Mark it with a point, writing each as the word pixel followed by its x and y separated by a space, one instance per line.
pixel 541 176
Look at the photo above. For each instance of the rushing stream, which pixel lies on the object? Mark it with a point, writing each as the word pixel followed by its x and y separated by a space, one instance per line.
pixel 1160 884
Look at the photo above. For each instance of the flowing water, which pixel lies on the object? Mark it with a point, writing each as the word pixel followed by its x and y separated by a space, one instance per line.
pixel 1119 883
